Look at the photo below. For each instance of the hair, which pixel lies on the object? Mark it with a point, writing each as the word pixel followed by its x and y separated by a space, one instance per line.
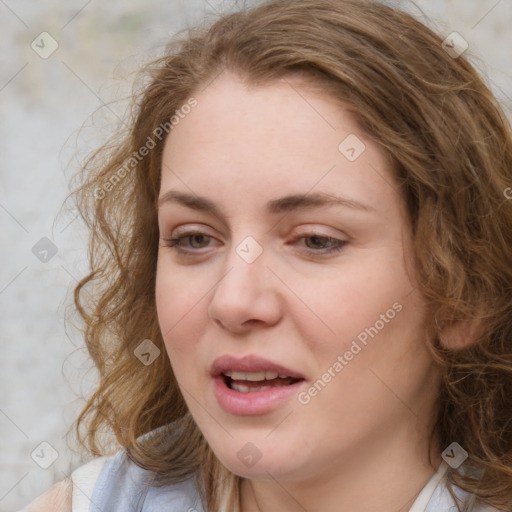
pixel 450 150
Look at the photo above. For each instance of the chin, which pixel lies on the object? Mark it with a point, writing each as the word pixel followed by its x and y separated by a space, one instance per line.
pixel 264 463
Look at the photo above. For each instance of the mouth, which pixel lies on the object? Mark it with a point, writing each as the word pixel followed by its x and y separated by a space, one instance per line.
pixel 252 385
pixel 251 382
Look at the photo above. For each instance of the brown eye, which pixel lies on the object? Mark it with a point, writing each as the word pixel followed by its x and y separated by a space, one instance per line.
pixel 317 241
pixel 320 245
pixel 199 238
pixel 196 240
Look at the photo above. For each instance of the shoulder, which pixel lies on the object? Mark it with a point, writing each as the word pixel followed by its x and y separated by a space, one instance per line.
pixel 71 494
pixel 58 498
pixel 442 500
pixel 115 483
pixel 124 486
pixel 84 480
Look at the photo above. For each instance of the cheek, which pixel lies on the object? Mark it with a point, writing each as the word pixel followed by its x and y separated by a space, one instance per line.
pixel 366 302
pixel 180 311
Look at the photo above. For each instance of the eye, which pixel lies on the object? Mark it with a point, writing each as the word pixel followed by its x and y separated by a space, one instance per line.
pixel 316 244
pixel 196 238
pixel 321 244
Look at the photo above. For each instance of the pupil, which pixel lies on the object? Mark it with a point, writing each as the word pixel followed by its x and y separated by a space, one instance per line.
pixel 317 240
pixel 196 238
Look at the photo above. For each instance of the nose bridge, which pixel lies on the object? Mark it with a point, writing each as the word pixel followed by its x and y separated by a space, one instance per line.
pixel 245 269
pixel 245 292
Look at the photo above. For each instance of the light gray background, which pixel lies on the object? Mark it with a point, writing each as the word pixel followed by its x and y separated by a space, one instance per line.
pixel 43 104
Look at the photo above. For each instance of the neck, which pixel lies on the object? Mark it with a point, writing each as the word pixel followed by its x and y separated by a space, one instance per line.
pixel 386 476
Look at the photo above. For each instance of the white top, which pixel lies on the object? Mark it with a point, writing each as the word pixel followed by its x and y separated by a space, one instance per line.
pixel 118 485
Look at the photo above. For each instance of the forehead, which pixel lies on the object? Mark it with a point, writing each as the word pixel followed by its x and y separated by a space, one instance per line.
pixel 252 141
pixel 281 109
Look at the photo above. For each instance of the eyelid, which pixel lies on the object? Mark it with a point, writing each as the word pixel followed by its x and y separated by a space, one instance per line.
pixel 189 229
pixel 335 244
pixel 304 230
pixel 316 229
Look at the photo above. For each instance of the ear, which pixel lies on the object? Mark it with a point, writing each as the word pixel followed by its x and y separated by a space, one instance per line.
pixel 461 334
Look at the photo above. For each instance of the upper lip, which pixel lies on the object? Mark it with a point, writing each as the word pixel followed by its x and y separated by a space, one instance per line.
pixel 249 363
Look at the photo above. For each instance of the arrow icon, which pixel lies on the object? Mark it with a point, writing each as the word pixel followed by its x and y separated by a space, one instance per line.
pixel 44 455
pixel 454 455
pixel 146 352
pixel 249 249
pixel 44 250
pixel 44 45
pixel 249 454
pixel 351 147
pixel 454 45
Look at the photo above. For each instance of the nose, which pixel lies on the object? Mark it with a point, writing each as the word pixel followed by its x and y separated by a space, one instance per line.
pixel 247 295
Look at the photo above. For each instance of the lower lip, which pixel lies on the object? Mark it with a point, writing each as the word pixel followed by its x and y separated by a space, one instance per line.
pixel 257 402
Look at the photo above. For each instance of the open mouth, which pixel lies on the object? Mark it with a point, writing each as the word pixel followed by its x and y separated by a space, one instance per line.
pixel 251 382
pixel 252 385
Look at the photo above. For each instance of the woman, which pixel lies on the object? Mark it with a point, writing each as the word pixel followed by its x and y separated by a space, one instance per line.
pixel 301 271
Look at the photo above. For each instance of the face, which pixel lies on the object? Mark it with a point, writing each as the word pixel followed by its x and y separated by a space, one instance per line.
pixel 284 288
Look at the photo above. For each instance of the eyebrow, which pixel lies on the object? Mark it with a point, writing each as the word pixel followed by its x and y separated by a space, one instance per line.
pixel 281 205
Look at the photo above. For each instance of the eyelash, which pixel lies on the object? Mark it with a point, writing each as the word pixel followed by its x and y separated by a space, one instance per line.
pixel 174 243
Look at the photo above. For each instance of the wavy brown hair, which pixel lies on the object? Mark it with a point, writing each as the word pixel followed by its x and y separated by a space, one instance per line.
pixel 450 146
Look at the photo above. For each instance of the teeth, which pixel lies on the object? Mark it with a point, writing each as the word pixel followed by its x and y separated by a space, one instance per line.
pixel 241 388
pixel 253 376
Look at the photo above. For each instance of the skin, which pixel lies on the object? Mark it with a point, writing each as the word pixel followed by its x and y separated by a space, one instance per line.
pixel 368 428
